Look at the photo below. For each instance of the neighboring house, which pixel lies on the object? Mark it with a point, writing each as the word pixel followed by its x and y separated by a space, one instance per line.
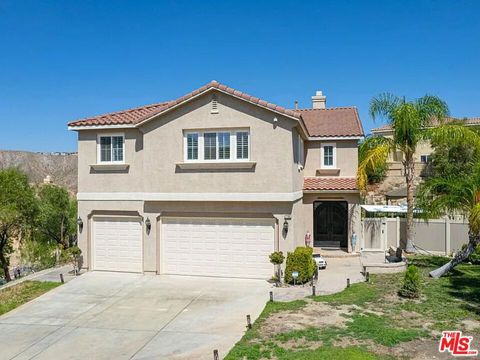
pixel 393 188
pixel 213 182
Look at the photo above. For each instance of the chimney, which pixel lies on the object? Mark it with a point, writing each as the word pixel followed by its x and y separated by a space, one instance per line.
pixel 296 104
pixel 319 101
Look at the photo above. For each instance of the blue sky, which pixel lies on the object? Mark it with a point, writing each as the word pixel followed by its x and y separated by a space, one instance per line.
pixel 63 60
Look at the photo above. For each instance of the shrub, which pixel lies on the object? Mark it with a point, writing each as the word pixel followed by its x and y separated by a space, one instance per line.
pixel 300 260
pixel 72 255
pixel 277 258
pixel 474 257
pixel 38 255
pixel 411 283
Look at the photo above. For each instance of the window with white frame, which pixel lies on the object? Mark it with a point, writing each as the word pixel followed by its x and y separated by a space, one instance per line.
pixel 221 145
pixel 424 158
pixel 192 146
pixel 300 151
pixel 328 155
pixel 242 145
pixel 111 148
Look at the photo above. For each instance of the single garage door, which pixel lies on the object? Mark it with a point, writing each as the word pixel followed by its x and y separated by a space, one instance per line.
pixel 218 247
pixel 117 244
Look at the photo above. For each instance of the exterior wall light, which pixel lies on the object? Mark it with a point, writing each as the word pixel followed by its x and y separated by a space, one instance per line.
pixel 148 225
pixel 80 224
pixel 285 227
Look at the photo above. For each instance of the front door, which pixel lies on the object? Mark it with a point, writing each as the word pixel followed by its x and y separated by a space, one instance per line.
pixel 330 221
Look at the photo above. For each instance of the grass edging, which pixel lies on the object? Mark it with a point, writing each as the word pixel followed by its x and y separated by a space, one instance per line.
pixel 17 295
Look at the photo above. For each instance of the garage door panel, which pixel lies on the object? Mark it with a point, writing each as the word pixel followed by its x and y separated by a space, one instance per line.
pixel 218 247
pixel 117 245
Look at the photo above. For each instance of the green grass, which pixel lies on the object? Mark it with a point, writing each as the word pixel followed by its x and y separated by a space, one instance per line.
pixel 330 353
pixel 360 326
pixel 14 296
pixel 376 328
pixel 356 294
pixel 377 316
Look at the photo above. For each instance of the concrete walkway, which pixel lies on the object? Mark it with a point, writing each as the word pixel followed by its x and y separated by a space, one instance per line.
pixel 129 316
pixel 331 280
pixel 52 274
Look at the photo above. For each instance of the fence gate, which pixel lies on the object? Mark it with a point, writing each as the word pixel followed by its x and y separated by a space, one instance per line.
pixel 374 233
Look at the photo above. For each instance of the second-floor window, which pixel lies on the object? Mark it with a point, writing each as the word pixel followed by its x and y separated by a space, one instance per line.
pixel 424 158
pixel 228 145
pixel 328 155
pixel 111 149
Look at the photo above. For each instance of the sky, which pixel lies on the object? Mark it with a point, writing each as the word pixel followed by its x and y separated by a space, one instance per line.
pixel 63 60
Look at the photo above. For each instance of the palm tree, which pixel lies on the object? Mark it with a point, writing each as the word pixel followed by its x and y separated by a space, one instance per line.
pixel 409 120
pixel 455 193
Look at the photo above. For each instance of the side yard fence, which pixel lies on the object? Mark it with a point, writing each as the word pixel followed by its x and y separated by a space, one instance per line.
pixel 438 236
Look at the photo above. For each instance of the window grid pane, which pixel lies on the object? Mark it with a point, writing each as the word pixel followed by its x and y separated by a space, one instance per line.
pixel 328 155
pixel 192 146
pixel 105 148
pixel 117 148
pixel 242 145
pixel 210 146
pixel 224 146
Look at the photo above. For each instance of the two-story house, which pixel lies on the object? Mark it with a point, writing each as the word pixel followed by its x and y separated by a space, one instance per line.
pixel 213 182
pixel 393 189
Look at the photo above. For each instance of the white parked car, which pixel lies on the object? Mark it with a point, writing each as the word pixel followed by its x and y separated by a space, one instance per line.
pixel 321 262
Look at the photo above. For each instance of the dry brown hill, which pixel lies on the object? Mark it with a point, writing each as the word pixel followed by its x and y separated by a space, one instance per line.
pixel 61 167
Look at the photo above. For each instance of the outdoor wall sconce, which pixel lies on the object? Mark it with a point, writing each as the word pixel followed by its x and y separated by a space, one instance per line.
pixel 285 227
pixel 148 225
pixel 80 224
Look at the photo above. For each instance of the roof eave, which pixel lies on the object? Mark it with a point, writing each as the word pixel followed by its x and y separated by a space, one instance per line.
pixel 212 88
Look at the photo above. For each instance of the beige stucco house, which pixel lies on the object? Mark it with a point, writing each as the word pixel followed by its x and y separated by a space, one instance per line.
pixel 213 182
pixel 393 189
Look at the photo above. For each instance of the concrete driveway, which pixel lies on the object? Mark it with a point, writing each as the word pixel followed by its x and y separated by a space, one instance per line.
pixel 128 316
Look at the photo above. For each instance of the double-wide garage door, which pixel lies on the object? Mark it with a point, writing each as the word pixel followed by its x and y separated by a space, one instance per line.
pixel 189 246
pixel 217 247
pixel 117 244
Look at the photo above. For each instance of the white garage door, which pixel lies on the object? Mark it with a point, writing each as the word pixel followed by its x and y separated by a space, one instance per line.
pixel 218 247
pixel 117 244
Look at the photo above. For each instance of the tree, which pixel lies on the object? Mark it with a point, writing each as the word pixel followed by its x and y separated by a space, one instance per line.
pixel 408 119
pixel 277 258
pixel 450 157
pixel 377 174
pixel 18 207
pixel 57 215
pixel 450 193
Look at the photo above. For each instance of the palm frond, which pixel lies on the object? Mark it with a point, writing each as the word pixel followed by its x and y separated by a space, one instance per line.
pixel 383 105
pixel 440 196
pixel 474 219
pixel 456 133
pixel 430 108
pixel 373 158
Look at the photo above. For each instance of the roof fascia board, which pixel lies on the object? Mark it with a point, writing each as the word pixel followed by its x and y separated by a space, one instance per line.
pixel 326 138
pixel 224 92
pixel 101 127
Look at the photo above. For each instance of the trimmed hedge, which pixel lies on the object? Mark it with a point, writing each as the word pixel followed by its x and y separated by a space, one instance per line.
pixel 300 260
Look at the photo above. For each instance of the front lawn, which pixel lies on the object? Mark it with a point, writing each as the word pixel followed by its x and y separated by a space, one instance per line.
pixel 14 296
pixel 369 320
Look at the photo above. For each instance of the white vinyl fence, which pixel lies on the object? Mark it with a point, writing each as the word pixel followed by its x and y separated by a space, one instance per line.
pixel 438 236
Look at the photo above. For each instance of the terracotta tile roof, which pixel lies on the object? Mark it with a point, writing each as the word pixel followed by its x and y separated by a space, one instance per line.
pixel 129 116
pixel 467 121
pixel 137 115
pixel 329 183
pixel 340 121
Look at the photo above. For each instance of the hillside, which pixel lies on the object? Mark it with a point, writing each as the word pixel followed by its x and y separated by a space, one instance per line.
pixel 61 167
